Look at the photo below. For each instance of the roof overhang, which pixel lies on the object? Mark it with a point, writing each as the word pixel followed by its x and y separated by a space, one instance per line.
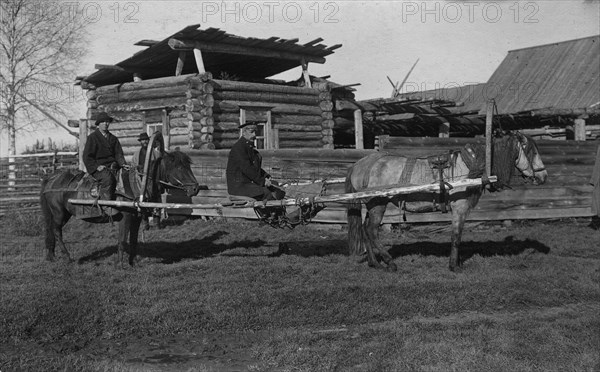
pixel 222 53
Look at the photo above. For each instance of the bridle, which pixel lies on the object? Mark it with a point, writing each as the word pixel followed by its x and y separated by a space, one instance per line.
pixel 174 183
pixel 180 185
pixel 526 147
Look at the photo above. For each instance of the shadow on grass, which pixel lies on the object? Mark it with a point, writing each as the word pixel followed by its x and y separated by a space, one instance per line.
pixel 172 252
pixel 508 247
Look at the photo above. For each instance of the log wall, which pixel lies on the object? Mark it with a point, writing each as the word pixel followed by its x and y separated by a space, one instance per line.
pixel 565 194
pixel 204 113
pixel 301 115
pixel 186 100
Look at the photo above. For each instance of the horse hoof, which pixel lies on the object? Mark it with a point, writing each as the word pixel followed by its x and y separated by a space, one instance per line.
pixel 68 259
pixel 361 260
pixel 392 267
pixel 376 265
pixel 50 258
pixel 454 268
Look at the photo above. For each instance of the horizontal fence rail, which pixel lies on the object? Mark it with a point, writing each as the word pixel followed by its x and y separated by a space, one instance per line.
pixel 21 176
pixel 567 192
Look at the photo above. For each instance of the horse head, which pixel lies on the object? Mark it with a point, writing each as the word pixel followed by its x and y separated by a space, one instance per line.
pixel 529 162
pixel 174 171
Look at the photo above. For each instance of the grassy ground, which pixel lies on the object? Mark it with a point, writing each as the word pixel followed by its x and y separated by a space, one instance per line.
pixel 215 296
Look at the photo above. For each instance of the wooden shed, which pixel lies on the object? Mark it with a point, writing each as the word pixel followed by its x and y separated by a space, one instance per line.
pixel 551 91
pixel 197 86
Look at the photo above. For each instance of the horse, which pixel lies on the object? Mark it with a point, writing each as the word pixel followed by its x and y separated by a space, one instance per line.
pixel 510 151
pixel 169 170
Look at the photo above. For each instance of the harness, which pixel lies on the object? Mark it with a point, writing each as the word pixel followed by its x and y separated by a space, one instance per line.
pixel 439 163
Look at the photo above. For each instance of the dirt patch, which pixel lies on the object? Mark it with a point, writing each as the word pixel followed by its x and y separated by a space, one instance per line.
pixel 219 352
pixel 215 352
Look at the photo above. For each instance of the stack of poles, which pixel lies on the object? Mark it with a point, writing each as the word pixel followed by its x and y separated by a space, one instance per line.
pixel 302 116
pixel 186 99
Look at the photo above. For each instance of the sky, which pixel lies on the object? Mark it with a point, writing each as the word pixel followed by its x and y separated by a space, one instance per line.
pixel 456 42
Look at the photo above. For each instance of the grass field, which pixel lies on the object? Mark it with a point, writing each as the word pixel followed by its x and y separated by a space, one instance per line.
pixel 216 296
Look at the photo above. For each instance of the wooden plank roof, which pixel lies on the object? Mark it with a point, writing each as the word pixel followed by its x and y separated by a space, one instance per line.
pixel 463 96
pixel 557 77
pixel 222 53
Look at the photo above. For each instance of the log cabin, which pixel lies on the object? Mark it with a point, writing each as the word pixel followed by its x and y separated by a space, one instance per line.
pixel 197 86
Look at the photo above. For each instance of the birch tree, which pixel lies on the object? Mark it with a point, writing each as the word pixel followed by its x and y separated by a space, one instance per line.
pixel 41 45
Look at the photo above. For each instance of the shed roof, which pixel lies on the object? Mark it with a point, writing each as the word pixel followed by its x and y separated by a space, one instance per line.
pixel 221 52
pixel 558 76
pixel 463 95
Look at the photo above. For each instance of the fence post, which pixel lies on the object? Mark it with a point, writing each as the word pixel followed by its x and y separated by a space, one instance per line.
pixel 358 130
pixel 489 119
pixel 579 129
pixel 83 133
pixel 54 160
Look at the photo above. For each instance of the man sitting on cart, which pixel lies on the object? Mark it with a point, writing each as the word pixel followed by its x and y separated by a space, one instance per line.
pixel 245 176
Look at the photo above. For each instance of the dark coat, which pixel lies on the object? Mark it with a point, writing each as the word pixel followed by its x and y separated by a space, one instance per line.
pixel 139 158
pixel 244 173
pixel 102 151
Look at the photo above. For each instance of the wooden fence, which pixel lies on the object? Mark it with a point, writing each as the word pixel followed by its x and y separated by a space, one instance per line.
pixel 20 177
pixel 285 164
pixel 567 192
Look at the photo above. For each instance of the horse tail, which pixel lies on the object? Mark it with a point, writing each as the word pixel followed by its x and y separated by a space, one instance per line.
pixel 47 215
pixel 355 227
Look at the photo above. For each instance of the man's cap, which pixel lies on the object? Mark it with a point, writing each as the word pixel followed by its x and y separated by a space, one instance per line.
pixel 251 122
pixel 104 117
pixel 143 136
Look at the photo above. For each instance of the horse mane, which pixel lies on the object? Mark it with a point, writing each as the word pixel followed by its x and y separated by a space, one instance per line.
pixel 176 158
pixel 531 145
pixel 158 168
pixel 503 159
pixel 504 153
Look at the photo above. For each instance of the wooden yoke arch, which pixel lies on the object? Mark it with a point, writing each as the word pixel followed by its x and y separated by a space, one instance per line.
pixel 155 139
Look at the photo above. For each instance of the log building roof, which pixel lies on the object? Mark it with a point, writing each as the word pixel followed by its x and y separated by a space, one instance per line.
pixel 555 77
pixel 533 87
pixel 222 53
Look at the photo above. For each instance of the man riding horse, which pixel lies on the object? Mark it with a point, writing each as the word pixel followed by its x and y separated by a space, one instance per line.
pixel 103 156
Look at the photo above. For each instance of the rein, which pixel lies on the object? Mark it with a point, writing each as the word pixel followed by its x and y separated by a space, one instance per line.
pixel 168 184
pixel 181 186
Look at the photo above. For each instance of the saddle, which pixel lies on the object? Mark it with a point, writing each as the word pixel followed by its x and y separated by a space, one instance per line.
pixel 87 187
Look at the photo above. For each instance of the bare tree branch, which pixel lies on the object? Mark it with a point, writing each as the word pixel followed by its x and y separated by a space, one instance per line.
pixel 41 44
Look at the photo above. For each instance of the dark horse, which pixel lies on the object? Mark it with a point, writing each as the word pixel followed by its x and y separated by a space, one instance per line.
pixel 171 169
pixel 510 151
